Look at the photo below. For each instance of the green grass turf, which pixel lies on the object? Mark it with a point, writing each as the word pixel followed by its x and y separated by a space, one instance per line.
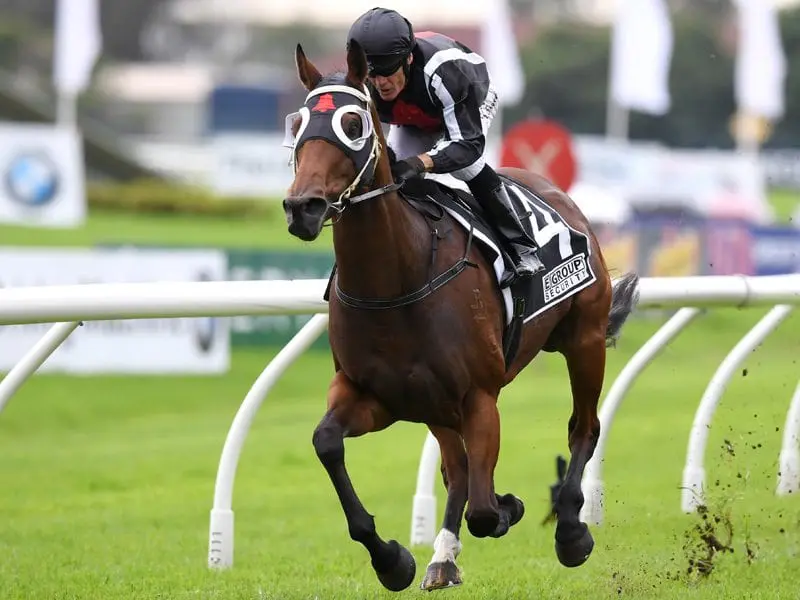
pixel 785 203
pixel 174 230
pixel 108 482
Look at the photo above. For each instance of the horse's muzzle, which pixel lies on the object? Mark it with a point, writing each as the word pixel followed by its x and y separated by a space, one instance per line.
pixel 305 216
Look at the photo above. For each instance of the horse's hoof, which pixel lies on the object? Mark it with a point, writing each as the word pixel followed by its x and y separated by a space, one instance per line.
pixel 483 524
pixel 401 574
pixel 441 575
pixel 514 506
pixel 575 553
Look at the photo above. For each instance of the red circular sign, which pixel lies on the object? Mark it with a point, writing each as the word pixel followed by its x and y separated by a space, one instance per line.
pixel 542 147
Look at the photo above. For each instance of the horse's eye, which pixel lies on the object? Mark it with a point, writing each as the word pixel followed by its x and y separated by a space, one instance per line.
pixel 353 128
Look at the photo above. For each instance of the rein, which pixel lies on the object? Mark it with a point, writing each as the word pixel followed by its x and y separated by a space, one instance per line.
pixel 433 284
pixel 386 189
pixel 366 155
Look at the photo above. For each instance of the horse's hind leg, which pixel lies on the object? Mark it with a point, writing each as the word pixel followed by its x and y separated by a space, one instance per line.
pixel 442 571
pixel 586 358
pixel 350 414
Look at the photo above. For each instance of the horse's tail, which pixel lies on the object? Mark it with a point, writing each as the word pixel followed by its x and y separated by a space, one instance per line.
pixel 624 298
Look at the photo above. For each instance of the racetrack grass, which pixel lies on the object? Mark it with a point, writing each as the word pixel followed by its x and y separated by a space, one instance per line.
pixel 785 203
pixel 108 482
pixel 105 227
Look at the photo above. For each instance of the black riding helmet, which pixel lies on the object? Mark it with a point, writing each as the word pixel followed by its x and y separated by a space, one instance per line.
pixel 386 37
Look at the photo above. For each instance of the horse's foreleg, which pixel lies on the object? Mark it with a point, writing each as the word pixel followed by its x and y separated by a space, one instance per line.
pixel 442 571
pixel 350 414
pixel 586 364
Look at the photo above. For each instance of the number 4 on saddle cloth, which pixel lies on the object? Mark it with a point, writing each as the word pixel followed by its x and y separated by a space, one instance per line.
pixel 564 251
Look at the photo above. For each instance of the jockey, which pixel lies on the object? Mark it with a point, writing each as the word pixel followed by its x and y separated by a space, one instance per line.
pixel 437 96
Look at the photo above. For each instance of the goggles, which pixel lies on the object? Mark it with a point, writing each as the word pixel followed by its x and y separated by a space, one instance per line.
pixel 384 65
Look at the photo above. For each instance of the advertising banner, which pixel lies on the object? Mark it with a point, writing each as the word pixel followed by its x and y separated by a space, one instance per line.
pixel 250 165
pixel 142 346
pixel 262 265
pixel 776 250
pixel 42 180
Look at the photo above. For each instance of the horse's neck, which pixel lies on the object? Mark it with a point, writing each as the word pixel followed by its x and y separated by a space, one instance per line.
pixel 381 248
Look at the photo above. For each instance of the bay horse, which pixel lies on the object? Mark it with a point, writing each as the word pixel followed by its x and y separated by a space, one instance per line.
pixel 410 346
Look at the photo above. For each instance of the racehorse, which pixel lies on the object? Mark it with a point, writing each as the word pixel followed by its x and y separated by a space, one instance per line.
pixel 417 327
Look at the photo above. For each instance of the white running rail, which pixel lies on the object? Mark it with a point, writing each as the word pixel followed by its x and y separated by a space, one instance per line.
pixel 68 306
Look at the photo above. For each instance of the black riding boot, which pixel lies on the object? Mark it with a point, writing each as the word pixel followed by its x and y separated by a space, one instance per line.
pixel 521 249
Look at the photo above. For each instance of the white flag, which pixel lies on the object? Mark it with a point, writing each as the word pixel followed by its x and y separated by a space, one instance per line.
pixel 641 52
pixel 499 49
pixel 78 42
pixel 760 61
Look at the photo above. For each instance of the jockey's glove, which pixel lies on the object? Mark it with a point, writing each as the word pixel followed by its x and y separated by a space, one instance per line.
pixel 405 169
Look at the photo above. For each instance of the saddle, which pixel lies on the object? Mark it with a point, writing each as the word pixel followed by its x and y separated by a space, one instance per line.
pixel 564 251
pixel 433 200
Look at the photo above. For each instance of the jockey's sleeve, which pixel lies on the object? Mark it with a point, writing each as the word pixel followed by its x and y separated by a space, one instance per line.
pixel 460 85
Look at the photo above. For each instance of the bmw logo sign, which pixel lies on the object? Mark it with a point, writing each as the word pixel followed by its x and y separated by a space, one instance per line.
pixel 32 179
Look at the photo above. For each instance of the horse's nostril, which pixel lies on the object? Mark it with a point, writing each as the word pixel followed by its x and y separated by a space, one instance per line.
pixel 316 206
pixel 305 204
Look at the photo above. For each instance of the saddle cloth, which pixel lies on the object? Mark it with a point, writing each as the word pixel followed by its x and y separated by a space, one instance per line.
pixel 564 251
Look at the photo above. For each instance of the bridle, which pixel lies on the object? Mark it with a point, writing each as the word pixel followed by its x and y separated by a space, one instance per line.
pixel 363 151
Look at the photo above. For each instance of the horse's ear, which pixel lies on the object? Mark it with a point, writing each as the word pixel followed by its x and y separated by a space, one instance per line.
pixel 308 73
pixel 356 63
